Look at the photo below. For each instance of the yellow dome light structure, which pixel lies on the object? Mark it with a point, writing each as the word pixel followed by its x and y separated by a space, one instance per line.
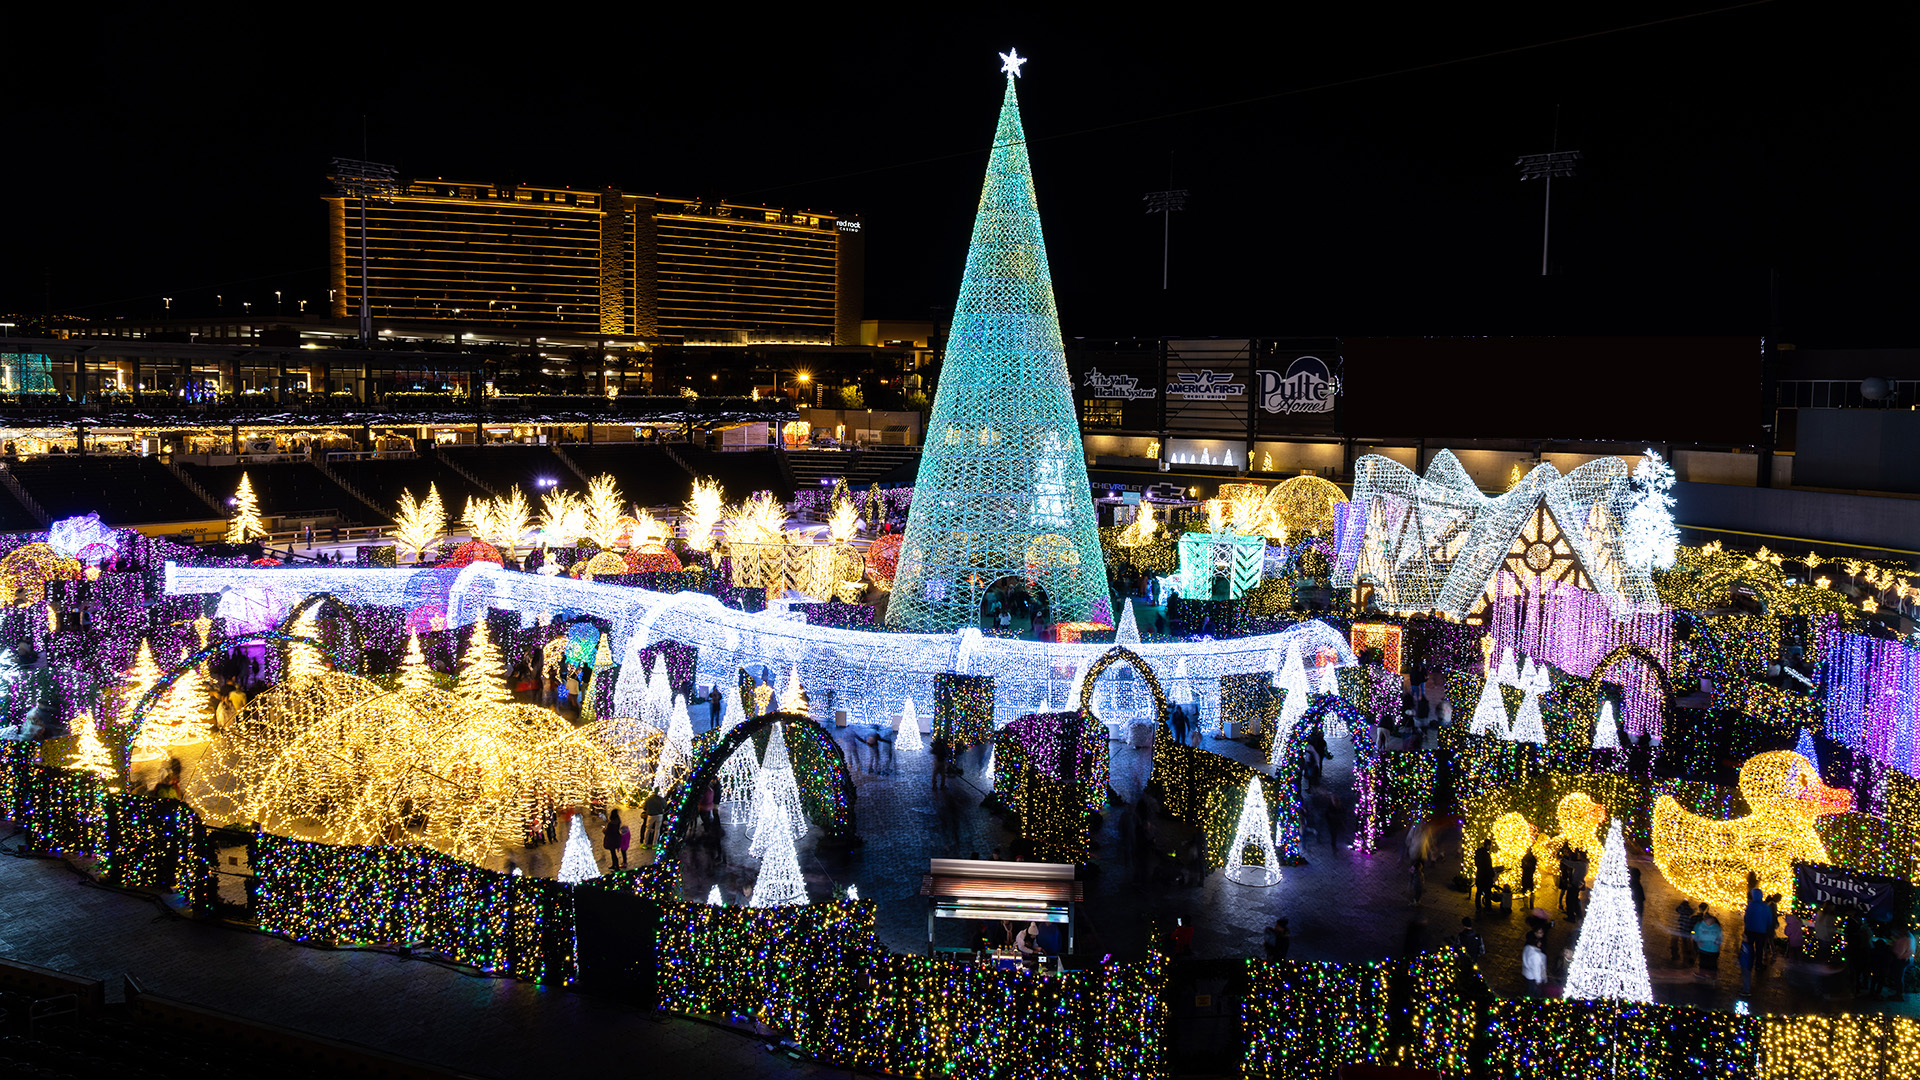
pixel 25 571
pixel 1304 505
pixel 330 757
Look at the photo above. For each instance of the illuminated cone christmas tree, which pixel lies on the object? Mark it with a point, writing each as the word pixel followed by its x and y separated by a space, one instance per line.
pixel 909 738
pixel 1606 736
pixel 732 715
pixel 676 753
pixel 1508 675
pixel 738 781
pixel 1610 961
pixel 483 677
pixel 1330 679
pixel 1529 675
pixel 1293 705
pixel 713 897
pixel 143 676
pixel 1528 725
pixel 1254 830
pixel 1128 632
pixel 414 672
pixel 776 789
pixel 577 863
pixel 304 659
pixel 1490 714
pixel 794 698
pixel 89 753
pixel 654 712
pixel 244 525
pixel 780 883
pixel 1002 489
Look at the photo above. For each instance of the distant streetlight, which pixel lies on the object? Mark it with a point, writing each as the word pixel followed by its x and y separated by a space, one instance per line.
pixel 1165 203
pixel 364 180
pixel 1546 166
pixel 168 302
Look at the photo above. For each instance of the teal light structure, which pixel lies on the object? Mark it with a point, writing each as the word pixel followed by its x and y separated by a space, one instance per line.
pixel 1236 559
pixel 1002 491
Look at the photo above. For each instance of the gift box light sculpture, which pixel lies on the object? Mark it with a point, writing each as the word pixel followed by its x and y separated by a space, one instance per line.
pixel 1002 490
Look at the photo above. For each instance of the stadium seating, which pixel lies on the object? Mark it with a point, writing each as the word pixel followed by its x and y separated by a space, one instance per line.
pixel 383 480
pixel 283 488
pixel 646 473
pixel 122 490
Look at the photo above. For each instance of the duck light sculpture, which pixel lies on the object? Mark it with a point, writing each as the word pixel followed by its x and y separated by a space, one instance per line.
pixel 1710 859
pixel 1579 818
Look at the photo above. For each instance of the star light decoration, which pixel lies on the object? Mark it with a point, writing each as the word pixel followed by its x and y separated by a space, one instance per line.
pixel 1011 61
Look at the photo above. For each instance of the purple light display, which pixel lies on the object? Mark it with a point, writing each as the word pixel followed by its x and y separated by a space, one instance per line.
pixel 1871 699
pixel 1572 629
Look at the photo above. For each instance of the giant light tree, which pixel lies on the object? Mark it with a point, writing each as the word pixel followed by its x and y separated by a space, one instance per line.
pixel 1002 491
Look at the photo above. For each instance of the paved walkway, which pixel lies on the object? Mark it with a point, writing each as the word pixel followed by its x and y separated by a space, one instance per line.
pixel 49 915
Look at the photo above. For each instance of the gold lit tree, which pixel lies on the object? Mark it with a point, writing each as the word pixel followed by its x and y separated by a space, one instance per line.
pixel 143 676
pixel 89 753
pixel 244 525
pixel 483 676
pixel 563 517
pixel 702 512
pixel 415 674
pixel 418 523
pixel 601 510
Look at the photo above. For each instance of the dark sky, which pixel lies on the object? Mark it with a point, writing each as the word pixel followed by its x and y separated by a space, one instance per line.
pixel 155 156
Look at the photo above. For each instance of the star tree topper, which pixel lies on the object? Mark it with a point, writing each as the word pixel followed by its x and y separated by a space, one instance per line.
pixel 1010 62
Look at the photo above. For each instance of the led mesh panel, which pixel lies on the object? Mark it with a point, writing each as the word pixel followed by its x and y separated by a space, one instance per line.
pixel 1002 490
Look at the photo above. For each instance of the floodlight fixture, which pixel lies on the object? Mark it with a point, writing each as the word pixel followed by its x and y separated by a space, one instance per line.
pixel 1165 203
pixel 366 181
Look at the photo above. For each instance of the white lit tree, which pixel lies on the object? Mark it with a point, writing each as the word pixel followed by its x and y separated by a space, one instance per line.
pixel 731 714
pixel 676 752
pixel 89 753
pixel 780 883
pixel 658 705
pixel 1529 675
pixel 986 771
pixel 1293 704
pixel 775 786
pixel 1255 830
pixel 1507 675
pixel 1490 713
pixel 909 738
pixel 1528 725
pixel 1610 959
pixel 713 897
pixel 577 862
pixel 415 674
pixel 483 677
pixel 244 524
pixel 1128 632
pixel 1648 536
pixel 739 776
pixel 1330 679
pixel 1606 735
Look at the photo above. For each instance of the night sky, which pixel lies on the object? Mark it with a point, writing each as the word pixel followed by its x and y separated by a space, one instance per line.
pixel 1771 141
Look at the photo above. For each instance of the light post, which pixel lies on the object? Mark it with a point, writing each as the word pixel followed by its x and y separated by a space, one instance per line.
pixel 1556 162
pixel 1165 203
pixel 364 180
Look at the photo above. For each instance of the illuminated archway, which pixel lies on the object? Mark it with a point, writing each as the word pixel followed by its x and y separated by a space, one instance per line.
pixel 342 612
pixel 174 673
pixel 1121 654
pixel 711 753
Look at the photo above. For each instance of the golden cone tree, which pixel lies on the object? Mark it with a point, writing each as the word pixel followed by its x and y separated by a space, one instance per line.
pixel 482 673
pixel 414 672
pixel 244 525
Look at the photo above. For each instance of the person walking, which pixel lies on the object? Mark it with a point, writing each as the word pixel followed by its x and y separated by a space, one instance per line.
pixel 1483 874
pixel 1528 864
pixel 610 839
pixel 1278 940
pixel 1470 941
pixel 941 750
pixel 1638 892
pixel 1746 967
pixel 1418 879
pixel 1680 951
pixel 1533 968
pixel 1757 924
pixel 656 809
pixel 714 703
pixel 1706 938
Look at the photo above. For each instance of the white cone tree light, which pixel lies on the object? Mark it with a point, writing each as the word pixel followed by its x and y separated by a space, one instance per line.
pixel 1606 735
pixel 1528 725
pixel 909 737
pixel 1490 713
pixel 1293 705
pixel 780 883
pixel 1254 830
pixel 775 787
pixel 1610 959
pixel 676 752
pixel 577 863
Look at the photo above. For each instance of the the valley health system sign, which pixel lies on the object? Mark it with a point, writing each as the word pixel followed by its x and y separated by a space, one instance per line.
pixel 1307 387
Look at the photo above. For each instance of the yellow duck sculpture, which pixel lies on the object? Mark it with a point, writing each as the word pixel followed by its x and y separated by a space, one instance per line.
pixel 1580 819
pixel 1710 859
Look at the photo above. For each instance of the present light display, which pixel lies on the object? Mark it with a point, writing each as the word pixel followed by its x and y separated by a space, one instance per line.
pixel 1002 490
pixel 1221 565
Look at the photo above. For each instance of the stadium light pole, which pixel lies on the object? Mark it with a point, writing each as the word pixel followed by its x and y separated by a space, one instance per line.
pixel 364 180
pixel 1556 162
pixel 1165 203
